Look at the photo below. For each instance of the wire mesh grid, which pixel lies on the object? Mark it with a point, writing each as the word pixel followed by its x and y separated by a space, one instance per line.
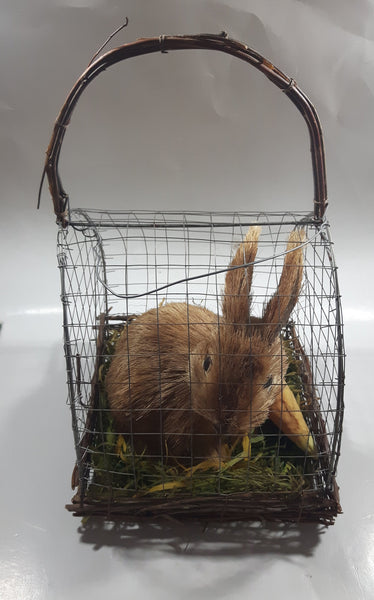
pixel 118 265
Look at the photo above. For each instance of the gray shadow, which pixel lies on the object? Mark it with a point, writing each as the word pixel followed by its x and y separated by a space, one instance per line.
pixel 195 540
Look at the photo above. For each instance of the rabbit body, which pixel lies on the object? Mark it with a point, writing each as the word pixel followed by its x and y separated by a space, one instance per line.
pixel 186 382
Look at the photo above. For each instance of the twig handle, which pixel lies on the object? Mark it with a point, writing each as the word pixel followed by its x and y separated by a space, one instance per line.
pixel 164 43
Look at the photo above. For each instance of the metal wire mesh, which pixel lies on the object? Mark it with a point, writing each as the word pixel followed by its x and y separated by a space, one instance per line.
pixel 115 265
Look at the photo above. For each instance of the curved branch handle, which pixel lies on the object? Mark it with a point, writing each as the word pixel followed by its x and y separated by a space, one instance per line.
pixel 220 43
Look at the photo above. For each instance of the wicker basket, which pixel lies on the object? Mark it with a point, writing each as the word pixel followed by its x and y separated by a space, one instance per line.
pixel 116 265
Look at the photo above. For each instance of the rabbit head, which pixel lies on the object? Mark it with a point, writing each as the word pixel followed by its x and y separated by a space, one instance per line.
pixel 231 380
pixel 238 372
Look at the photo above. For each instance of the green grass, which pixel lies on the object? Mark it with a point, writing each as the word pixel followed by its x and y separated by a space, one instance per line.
pixel 265 461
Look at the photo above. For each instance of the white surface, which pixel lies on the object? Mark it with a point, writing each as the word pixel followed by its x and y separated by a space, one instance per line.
pixel 329 48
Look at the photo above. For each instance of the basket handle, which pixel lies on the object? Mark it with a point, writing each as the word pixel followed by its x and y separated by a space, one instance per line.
pixel 165 43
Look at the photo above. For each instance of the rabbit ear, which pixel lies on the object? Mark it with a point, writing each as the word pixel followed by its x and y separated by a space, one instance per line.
pixel 278 310
pixel 236 300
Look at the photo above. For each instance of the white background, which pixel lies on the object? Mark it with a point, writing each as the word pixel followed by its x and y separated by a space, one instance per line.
pixel 186 131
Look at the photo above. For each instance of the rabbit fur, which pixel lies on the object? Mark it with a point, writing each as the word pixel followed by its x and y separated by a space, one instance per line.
pixel 213 377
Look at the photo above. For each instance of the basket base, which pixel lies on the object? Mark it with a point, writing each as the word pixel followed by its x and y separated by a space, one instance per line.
pixel 309 506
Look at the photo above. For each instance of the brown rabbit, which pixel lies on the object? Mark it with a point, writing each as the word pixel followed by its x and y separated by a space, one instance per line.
pixel 186 382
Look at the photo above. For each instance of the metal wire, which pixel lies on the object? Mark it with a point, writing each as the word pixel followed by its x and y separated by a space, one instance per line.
pixel 121 264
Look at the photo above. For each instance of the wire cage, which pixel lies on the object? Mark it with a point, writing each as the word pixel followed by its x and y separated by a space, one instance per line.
pixel 204 350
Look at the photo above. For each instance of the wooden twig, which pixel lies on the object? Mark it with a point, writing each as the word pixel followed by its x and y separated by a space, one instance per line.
pixel 312 506
pixel 108 40
pixel 166 43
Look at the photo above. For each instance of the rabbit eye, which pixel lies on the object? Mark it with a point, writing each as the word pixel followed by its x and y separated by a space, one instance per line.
pixel 268 383
pixel 207 363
